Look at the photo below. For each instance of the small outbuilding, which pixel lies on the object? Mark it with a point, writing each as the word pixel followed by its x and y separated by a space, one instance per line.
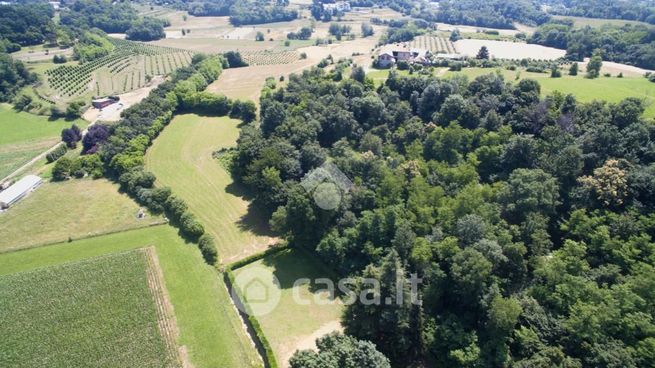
pixel 100 103
pixel 19 190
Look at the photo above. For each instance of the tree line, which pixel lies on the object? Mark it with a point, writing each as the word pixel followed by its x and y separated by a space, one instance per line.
pixel 529 218
pixel 639 10
pixel 629 44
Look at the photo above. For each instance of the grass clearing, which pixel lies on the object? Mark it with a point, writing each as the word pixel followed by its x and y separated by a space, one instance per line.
pixel 209 328
pixel 72 209
pixel 105 325
pixel 24 136
pixel 181 158
pixel 286 334
pixel 581 22
pixel 609 89
pixel 508 50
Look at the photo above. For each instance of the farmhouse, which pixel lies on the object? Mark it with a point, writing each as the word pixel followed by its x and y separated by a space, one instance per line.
pixel 390 56
pixel 339 6
pixel 19 190
pixel 100 103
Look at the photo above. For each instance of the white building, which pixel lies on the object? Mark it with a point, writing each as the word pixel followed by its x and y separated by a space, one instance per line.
pixel 339 6
pixel 19 190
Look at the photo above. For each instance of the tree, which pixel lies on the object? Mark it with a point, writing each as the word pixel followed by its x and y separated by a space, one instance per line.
pixel 208 248
pixel 555 72
pixel 97 133
pixel 62 169
pixel 367 30
pixel 595 64
pixel 340 351
pixel 483 54
pixel 530 191
pixel 71 136
pixel 573 70
pixel 259 36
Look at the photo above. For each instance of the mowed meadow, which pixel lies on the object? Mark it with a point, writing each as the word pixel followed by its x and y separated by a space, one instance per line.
pixel 210 331
pixel 24 136
pixel 105 325
pixel 181 158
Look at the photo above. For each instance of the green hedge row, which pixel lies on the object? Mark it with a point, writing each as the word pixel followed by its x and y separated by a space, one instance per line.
pixel 269 355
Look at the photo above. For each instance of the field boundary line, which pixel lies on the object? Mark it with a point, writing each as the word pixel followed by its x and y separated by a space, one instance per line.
pixel 88 236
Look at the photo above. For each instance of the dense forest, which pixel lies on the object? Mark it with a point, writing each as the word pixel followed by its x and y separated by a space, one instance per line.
pixel 27 24
pixel 641 10
pixel 119 17
pixel 630 44
pixel 529 218
pixel 490 13
pixel 13 76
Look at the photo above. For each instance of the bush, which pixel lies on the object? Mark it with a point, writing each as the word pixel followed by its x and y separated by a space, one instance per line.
pixel 190 226
pixel 55 154
pixel 208 248
pixel 62 169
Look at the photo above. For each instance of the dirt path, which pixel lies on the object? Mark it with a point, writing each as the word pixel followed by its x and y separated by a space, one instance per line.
pixel 308 342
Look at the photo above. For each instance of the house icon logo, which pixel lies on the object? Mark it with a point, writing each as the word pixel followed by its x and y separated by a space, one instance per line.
pixel 257 289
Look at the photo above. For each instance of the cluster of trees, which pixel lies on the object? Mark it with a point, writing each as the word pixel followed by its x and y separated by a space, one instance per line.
pixel 339 30
pixel 530 219
pixel 260 11
pixel 404 30
pixel 13 76
pixel 641 10
pixel 490 13
pixel 305 33
pixel 79 167
pixel 630 44
pixel 337 350
pixel 27 24
pixel 91 46
pixel 70 136
pixel 112 17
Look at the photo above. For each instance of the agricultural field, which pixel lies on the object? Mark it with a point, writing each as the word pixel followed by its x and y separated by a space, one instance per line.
pixel 433 43
pixel 211 333
pixel 508 50
pixel 105 325
pixel 24 136
pixel 73 209
pixel 318 316
pixel 181 158
pixel 127 68
pixel 581 22
pixel 269 58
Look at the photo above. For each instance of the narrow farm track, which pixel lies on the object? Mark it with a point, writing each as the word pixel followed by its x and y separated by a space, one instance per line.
pixel 181 158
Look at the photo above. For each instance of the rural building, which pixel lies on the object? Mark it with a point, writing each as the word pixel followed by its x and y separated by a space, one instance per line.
pixel 19 190
pixel 339 6
pixel 100 103
pixel 401 53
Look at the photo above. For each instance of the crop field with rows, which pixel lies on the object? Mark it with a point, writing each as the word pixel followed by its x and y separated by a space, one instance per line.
pixel 124 70
pixel 266 57
pixel 435 44
pixel 102 311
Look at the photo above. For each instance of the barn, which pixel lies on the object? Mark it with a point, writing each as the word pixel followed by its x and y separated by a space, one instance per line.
pixel 100 103
pixel 19 190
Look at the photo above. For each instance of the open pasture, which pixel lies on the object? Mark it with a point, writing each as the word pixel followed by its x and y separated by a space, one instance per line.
pixel 181 158
pixel 72 209
pixel 508 50
pixel 314 311
pixel 210 332
pixel 124 70
pixel 113 308
pixel 581 22
pixel 610 89
pixel 24 136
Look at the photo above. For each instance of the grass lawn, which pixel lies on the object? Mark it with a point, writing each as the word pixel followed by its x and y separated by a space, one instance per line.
pixel 74 208
pixel 74 315
pixel 292 325
pixel 581 22
pixel 24 135
pixel 181 157
pixel 209 327
pixel 610 89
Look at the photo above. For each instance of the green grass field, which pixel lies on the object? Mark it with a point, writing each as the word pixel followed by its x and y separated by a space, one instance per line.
pixel 73 209
pixel 23 136
pixel 291 325
pixel 611 89
pixel 74 315
pixel 209 329
pixel 181 157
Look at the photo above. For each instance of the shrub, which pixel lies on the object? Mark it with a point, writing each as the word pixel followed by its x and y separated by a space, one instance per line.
pixel 190 226
pixel 55 154
pixel 208 248
pixel 62 169
pixel 175 206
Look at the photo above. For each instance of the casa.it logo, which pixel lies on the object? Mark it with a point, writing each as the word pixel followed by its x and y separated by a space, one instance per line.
pixel 327 185
pixel 256 291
